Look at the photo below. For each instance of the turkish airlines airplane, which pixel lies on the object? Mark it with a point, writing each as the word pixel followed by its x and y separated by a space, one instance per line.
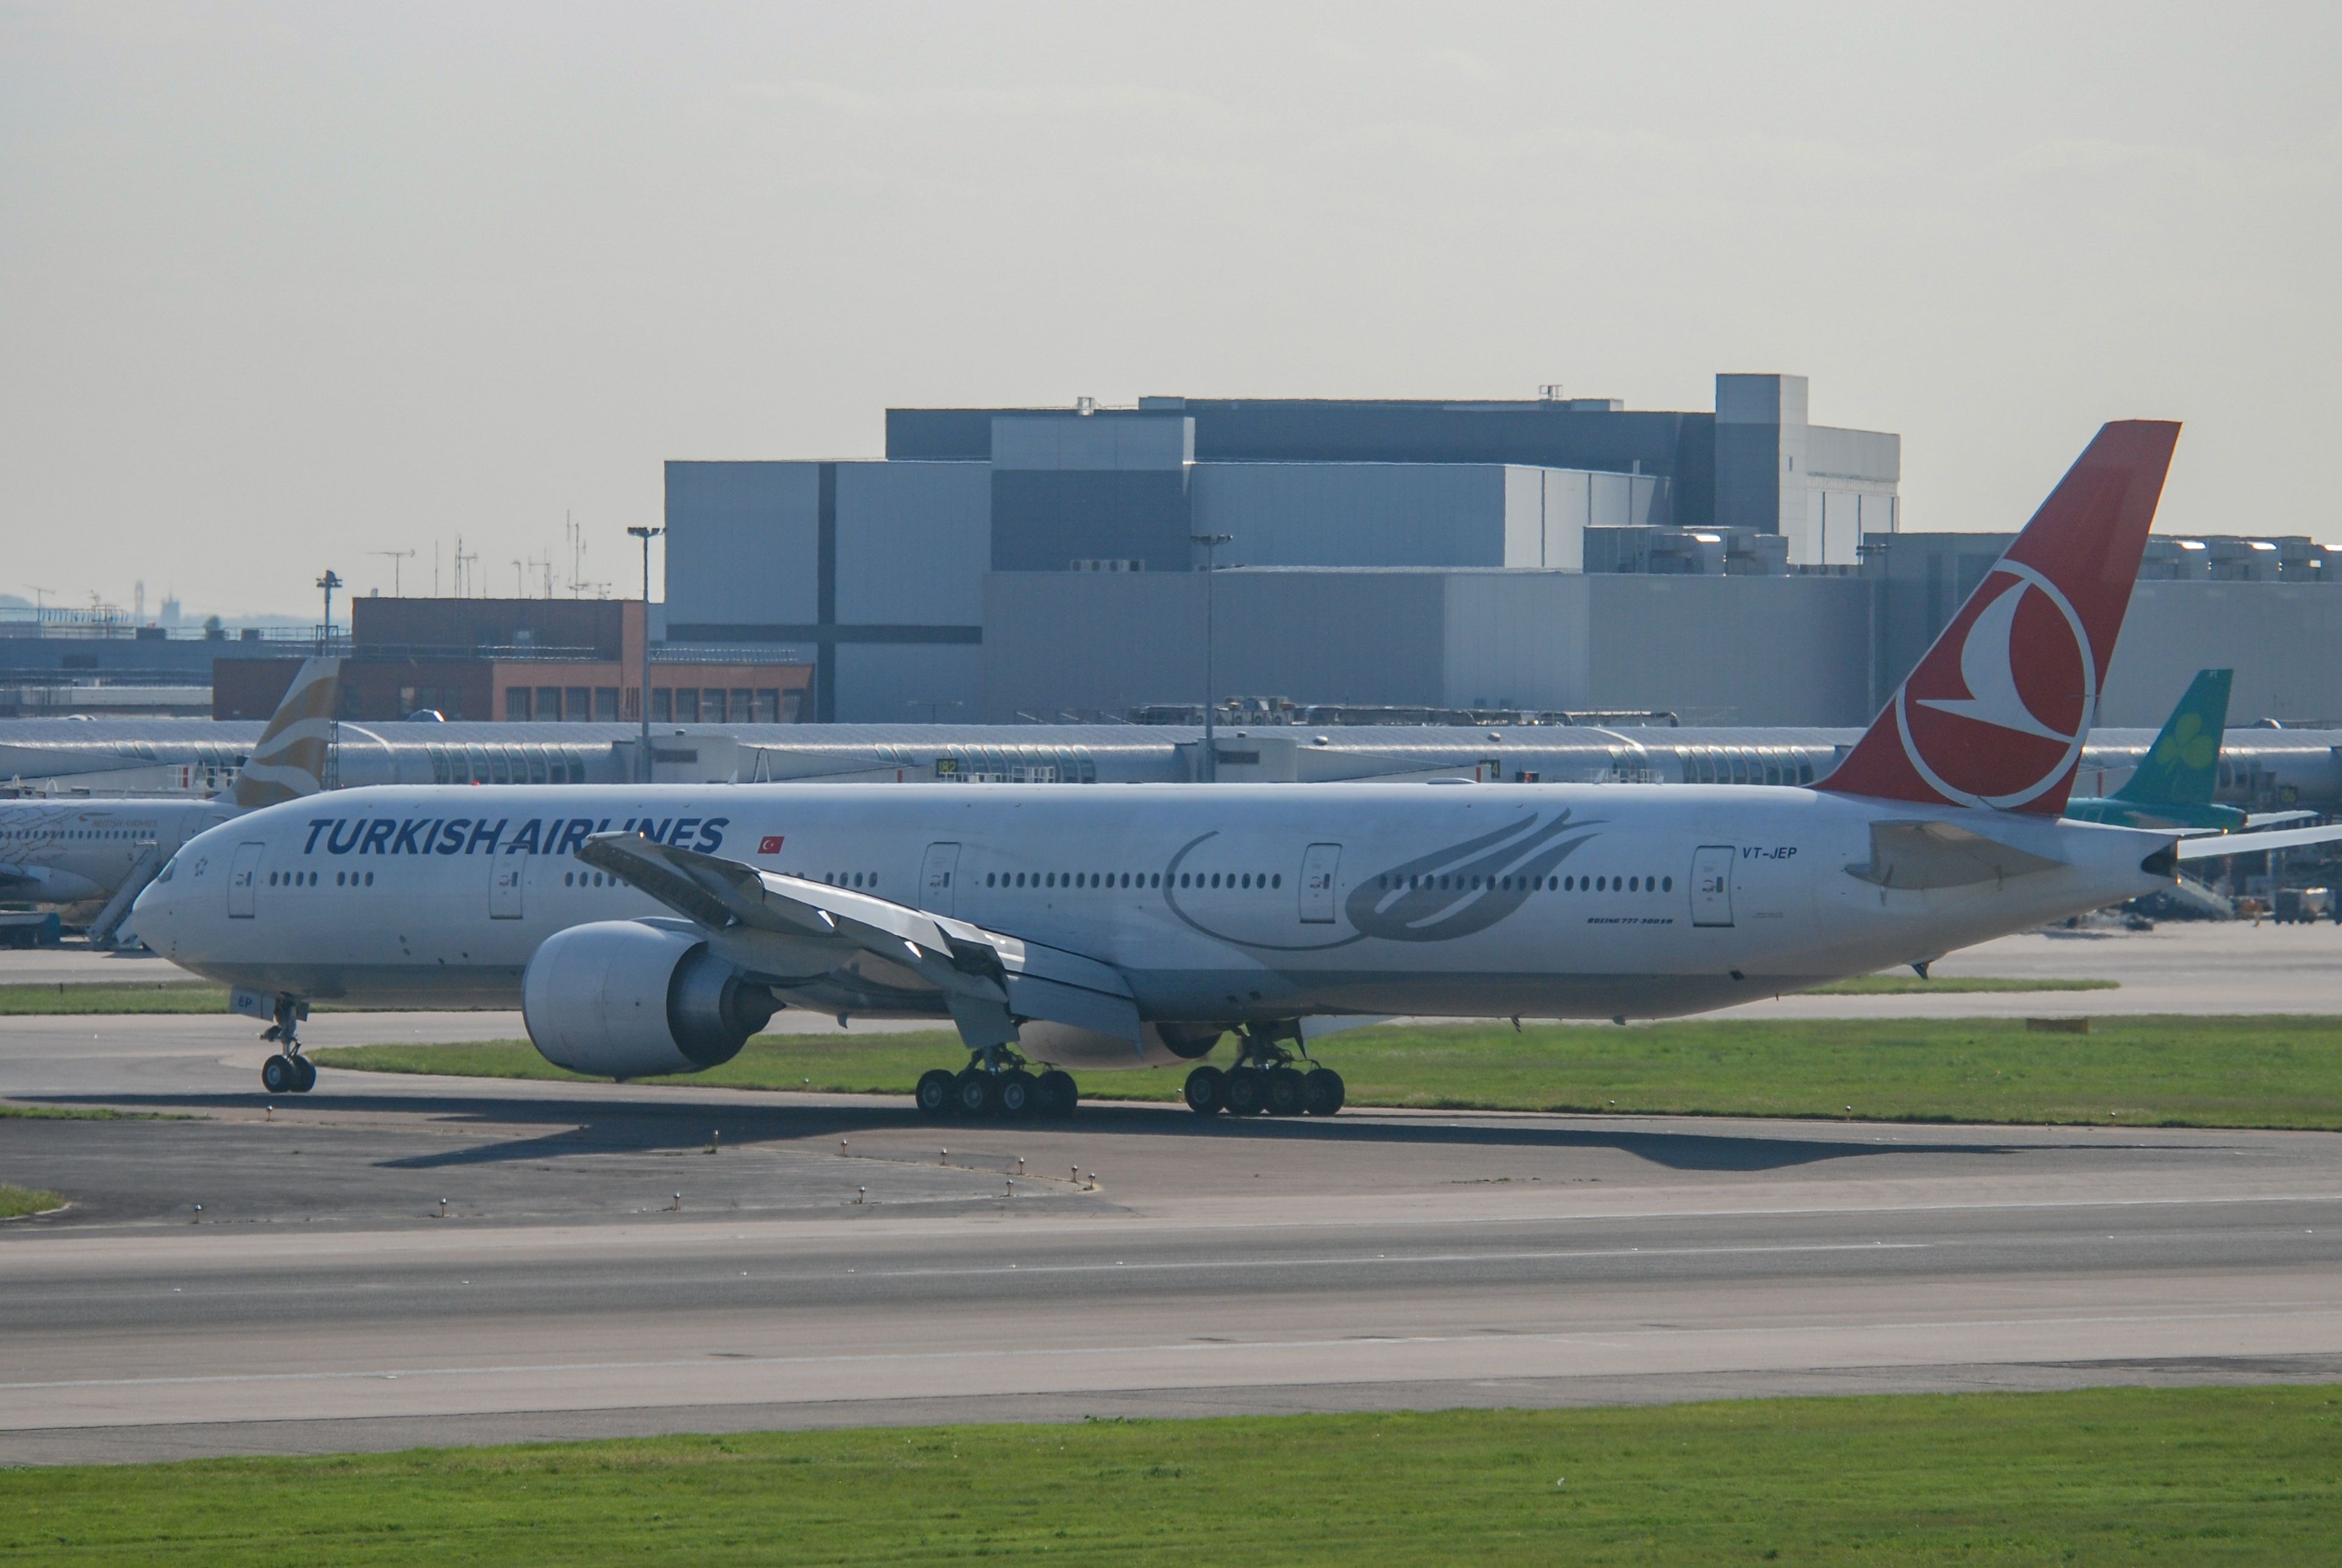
pixel 654 929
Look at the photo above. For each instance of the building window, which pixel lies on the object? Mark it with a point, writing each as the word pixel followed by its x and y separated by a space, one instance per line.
pixel 578 704
pixel 605 703
pixel 769 706
pixel 516 704
pixel 662 705
pixel 687 704
pixel 548 702
pixel 737 710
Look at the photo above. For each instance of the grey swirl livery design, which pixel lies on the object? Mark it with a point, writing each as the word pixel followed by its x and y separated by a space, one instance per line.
pixel 1453 892
pixel 1466 887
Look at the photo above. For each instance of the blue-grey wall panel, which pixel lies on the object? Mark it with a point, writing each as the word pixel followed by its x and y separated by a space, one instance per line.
pixel 1044 519
pixel 742 544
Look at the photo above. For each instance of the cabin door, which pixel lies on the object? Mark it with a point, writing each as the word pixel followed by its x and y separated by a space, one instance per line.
pixel 937 874
pixel 1711 883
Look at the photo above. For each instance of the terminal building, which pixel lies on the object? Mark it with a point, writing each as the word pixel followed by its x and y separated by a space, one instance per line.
pixel 1741 566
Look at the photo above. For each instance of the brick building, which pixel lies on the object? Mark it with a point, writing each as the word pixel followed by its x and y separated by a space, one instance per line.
pixel 522 660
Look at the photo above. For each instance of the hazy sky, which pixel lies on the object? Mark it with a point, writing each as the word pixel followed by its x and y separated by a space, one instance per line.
pixel 281 284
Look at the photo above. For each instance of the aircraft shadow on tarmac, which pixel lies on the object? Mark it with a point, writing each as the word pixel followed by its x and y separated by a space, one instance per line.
pixel 597 1126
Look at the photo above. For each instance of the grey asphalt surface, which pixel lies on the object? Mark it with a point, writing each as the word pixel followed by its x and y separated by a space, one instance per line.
pixel 1147 1263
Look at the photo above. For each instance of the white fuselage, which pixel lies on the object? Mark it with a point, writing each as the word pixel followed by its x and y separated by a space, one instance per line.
pixel 1226 902
pixel 75 852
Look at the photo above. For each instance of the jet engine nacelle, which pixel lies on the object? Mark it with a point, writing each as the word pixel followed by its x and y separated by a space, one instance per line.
pixel 631 999
pixel 1161 1044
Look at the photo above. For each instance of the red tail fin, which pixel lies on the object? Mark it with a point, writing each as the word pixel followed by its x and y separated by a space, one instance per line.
pixel 1997 713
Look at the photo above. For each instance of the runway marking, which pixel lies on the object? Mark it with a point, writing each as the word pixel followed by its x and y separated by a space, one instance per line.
pixel 1185 1347
pixel 568 1232
pixel 1403 1258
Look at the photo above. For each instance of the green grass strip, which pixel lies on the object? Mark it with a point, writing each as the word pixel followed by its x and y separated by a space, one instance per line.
pixel 136 996
pixel 2242 1071
pixel 15 1201
pixel 2106 1477
pixel 1900 985
pixel 72 999
pixel 80 1113
pixel 200 996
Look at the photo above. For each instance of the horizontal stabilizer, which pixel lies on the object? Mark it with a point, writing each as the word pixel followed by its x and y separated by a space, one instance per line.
pixel 2212 846
pixel 1913 856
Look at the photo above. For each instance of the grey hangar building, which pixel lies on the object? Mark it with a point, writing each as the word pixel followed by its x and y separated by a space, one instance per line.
pixel 1743 566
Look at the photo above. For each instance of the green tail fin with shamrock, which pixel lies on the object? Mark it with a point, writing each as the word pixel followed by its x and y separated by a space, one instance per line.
pixel 2184 764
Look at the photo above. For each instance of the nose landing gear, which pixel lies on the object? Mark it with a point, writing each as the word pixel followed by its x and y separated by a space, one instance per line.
pixel 288 1072
pixel 1265 1079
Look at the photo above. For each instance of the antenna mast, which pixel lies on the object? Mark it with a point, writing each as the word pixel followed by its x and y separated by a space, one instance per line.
pixel 396 591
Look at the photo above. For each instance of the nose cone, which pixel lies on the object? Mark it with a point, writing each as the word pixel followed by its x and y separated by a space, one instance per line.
pixel 152 913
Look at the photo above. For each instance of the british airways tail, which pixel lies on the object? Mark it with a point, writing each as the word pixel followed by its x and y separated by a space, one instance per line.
pixel 1996 714
pixel 290 758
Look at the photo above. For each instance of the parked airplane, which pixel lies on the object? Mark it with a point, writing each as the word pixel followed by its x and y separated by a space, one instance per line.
pixel 654 929
pixel 90 851
pixel 2172 785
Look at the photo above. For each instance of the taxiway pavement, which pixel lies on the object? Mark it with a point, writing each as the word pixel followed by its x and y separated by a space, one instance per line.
pixel 829 1261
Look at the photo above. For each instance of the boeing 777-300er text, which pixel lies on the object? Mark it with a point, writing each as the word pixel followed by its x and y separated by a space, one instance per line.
pixel 654 929
pixel 90 849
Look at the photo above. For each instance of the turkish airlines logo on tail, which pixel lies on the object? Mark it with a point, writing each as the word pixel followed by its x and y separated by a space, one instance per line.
pixel 2003 719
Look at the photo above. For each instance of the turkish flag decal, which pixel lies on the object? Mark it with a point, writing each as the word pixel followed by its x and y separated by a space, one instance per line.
pixel 769 845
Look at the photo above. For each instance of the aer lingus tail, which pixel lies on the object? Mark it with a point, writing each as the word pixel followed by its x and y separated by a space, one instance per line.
pixel 2172 785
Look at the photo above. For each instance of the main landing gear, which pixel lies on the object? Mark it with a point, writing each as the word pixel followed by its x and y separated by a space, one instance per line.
pixel 1264 1079
pixel 288 1072
pixel 997 1085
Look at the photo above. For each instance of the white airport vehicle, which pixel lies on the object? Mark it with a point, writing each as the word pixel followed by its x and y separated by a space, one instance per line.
pixel 654 929
pixel 93 850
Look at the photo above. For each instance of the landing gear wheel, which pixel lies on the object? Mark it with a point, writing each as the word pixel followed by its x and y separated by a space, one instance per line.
pixel 937 1093
pixel 1059 1095
pixel 278 1075
pixel 1207 1093
pixel 975 1093
pixel 1248 1090
pixel 307 1074
pixel 1283 1096
pixel 1322 1091
pixel 1017 1094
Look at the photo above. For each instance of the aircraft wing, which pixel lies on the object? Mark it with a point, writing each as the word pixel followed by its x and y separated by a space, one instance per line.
pixel 2216 845
pixel 2272 818
pixel 793 929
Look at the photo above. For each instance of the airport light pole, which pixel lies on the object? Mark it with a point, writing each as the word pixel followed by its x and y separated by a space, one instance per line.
pixel 646 535
pixel 1211 544
pixel 329 582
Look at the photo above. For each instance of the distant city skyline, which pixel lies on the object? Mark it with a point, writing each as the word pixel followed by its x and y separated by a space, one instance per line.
pixel 293 287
